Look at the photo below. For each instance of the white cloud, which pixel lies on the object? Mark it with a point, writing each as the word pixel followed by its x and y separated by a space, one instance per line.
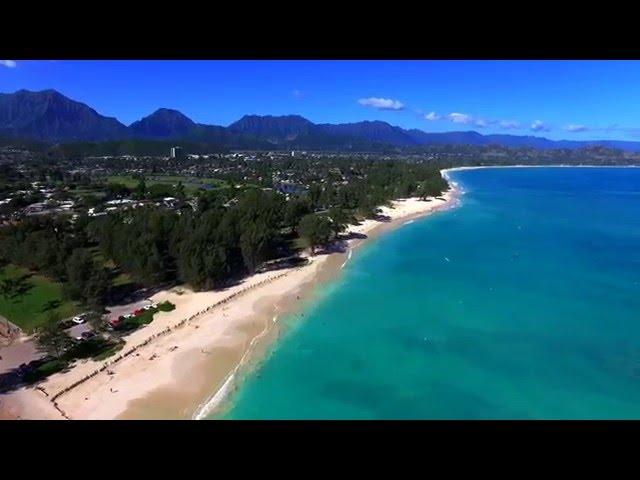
pixel 432 116
pixel 460 118
pixel 539 126
pixel 508 124
pixel 381 103
pixel 8 63
pixel 576 128
pixel 481 123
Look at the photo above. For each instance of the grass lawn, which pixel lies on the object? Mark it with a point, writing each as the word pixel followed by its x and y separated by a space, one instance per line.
pixel 40 297
pixel 126 180
pixel 122 279
pixel 191 184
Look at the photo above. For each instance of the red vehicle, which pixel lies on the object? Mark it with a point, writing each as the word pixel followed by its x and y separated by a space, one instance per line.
pixel 139 311
pixel 114 322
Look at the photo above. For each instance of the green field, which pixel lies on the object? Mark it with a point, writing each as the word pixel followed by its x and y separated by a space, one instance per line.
pixel 38 298
pixel 191 184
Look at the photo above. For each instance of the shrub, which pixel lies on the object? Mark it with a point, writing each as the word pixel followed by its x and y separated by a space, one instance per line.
pixel 92 348
pixel 115 347
pixel 166 306
pixel 46 369
pixel 137 321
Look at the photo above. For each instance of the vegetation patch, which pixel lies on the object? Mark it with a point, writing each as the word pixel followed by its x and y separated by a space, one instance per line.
pixel 46 369
pixel 95 348
pixel 191 184
pixel 166 306
pixel 109 351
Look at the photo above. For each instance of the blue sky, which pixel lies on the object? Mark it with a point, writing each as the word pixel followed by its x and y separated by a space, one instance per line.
pixel 556 99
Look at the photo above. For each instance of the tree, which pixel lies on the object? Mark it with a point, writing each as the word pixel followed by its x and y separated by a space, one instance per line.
pixel 97 288
pixel 339 220
pixel 158 191
pixel 296 209
pixel 8 288
pixel 51 339
pixel 79 270
pixel 315 191
pixel 95 320
pixel 117 190
pixel 141 188
pixel 210 199
pixel 254 245
pixel 260 215
pixel 315 230
pixel 180 191
pixel 85 280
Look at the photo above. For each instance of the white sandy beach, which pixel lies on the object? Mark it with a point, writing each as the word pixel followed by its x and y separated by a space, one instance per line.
pixel 189 371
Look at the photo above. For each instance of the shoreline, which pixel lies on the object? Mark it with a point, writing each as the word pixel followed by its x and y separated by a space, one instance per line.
pixel 559 165
pixel 184 374
pixel 221 399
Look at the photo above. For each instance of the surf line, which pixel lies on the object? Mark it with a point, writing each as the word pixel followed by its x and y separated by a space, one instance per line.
pixel 348 258
pixel 214 401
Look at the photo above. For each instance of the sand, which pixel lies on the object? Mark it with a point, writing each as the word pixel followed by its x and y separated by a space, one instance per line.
pixel 193 371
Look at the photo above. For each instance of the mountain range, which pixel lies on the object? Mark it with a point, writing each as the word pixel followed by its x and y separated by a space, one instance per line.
pixel 49 116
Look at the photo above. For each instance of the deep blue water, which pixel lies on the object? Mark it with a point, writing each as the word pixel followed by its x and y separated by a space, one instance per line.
pixel 523 302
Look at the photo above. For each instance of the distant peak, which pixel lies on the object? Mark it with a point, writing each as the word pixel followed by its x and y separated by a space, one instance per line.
pixel 274 117
pixel 166 114
pixel 48 91
pixel 168 110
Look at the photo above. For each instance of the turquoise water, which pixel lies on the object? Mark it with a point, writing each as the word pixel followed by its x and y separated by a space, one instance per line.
pixel 521 303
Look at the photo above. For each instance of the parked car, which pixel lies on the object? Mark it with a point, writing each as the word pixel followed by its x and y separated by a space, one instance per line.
pixel 79 319
pixel 114 322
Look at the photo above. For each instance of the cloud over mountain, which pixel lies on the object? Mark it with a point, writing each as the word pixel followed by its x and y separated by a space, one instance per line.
pixel 463 118
pixel 576 128
pixel 539 126
pixel 381 103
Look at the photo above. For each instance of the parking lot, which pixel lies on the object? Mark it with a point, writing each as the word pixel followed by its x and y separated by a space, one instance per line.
pixel 78 330
pixel 120 310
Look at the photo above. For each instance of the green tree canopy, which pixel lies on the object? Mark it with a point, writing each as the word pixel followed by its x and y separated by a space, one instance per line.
pixel 315 230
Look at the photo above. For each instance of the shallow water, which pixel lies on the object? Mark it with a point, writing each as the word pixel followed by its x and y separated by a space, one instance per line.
pixel 521 303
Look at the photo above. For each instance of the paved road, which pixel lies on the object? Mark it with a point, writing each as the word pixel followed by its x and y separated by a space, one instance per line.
pixel 21 351
pixel 77 330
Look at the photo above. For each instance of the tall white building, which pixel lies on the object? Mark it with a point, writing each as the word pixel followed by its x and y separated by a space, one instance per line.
pixel 176 152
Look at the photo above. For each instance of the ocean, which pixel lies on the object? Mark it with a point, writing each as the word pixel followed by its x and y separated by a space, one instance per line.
pixel 521 303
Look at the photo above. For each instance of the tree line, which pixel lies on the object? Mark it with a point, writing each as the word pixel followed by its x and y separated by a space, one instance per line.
pixel 228 234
